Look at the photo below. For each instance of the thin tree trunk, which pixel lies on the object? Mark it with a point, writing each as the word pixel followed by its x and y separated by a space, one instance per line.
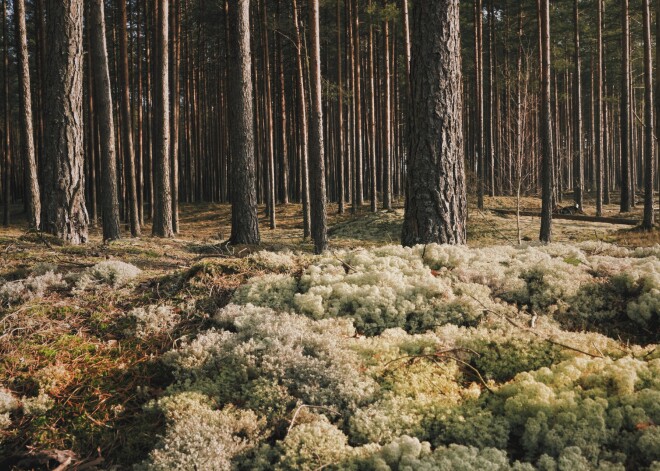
pixel 284 171
pixel 626 205
pixel 126 128
pixel 162 224
pixel 316 149
pixel 268 105
pixel 578 156
pixel 6 182
pixel 599 113
pixel 546 125
pixel 480 158
pixel 340 113
pixel 302 119
pixel 357 85
pixel 174 118
pixel 25 104
pixel 372 121
pixel 103 100
pixel 387 125
pixel 649 147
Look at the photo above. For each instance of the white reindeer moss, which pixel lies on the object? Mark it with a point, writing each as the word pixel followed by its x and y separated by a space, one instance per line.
pixel 35 286
pixel 425 358
pixel 424 287
pixel 114 273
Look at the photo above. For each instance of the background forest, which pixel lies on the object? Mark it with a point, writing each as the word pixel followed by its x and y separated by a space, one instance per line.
pixel 364 99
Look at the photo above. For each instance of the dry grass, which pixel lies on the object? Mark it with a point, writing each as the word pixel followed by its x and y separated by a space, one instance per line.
pixel 109 376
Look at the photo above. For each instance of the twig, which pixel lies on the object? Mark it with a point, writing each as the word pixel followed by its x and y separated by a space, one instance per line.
pixel 537 334
pixel 347 268
pixel 446 354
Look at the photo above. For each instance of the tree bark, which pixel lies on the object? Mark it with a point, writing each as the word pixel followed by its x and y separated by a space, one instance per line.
pixel 436 202
pixel 162 223
pixel 65 213
pixel 25 104
pixel 316 148
pixel 245 224
pixel 103 100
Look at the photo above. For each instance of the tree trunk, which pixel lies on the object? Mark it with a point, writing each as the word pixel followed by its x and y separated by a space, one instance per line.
pixel 546 125
pixel 126 131
pixel 357 85
pixel 268 119
pixel 578 144
pixel 103 101
pixel 599 113
pixel 626 205
pixel 162 224
pixel 480 158
pixel 371 122
pixel 302 119
pixel 174 118
pixel 25 111
pixel 245 223
pixel 436 202
pixel 6 175
pixel 316 149
pixel 340 114
pixel 649 147
pixel 387 125
pixel 65 215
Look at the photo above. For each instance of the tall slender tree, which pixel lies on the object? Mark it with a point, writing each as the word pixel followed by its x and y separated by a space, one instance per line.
pixel 126 123
pixel 6 174
pixel 245 223
pixel 25 111
pixel 387 123
pixel 302 119
pixel 578 144
pixel 65 214
pixel 625 204
pixel 162 223
pixel 175 92
pixel 649 141
pixel 103 101
pixel 546 124
pixel 480 147
pixel 316 147
pixel 436 202
pixel 340 113
pixel 599 158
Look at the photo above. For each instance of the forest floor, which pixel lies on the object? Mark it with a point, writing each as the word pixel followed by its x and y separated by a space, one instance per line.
pixel 70 343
